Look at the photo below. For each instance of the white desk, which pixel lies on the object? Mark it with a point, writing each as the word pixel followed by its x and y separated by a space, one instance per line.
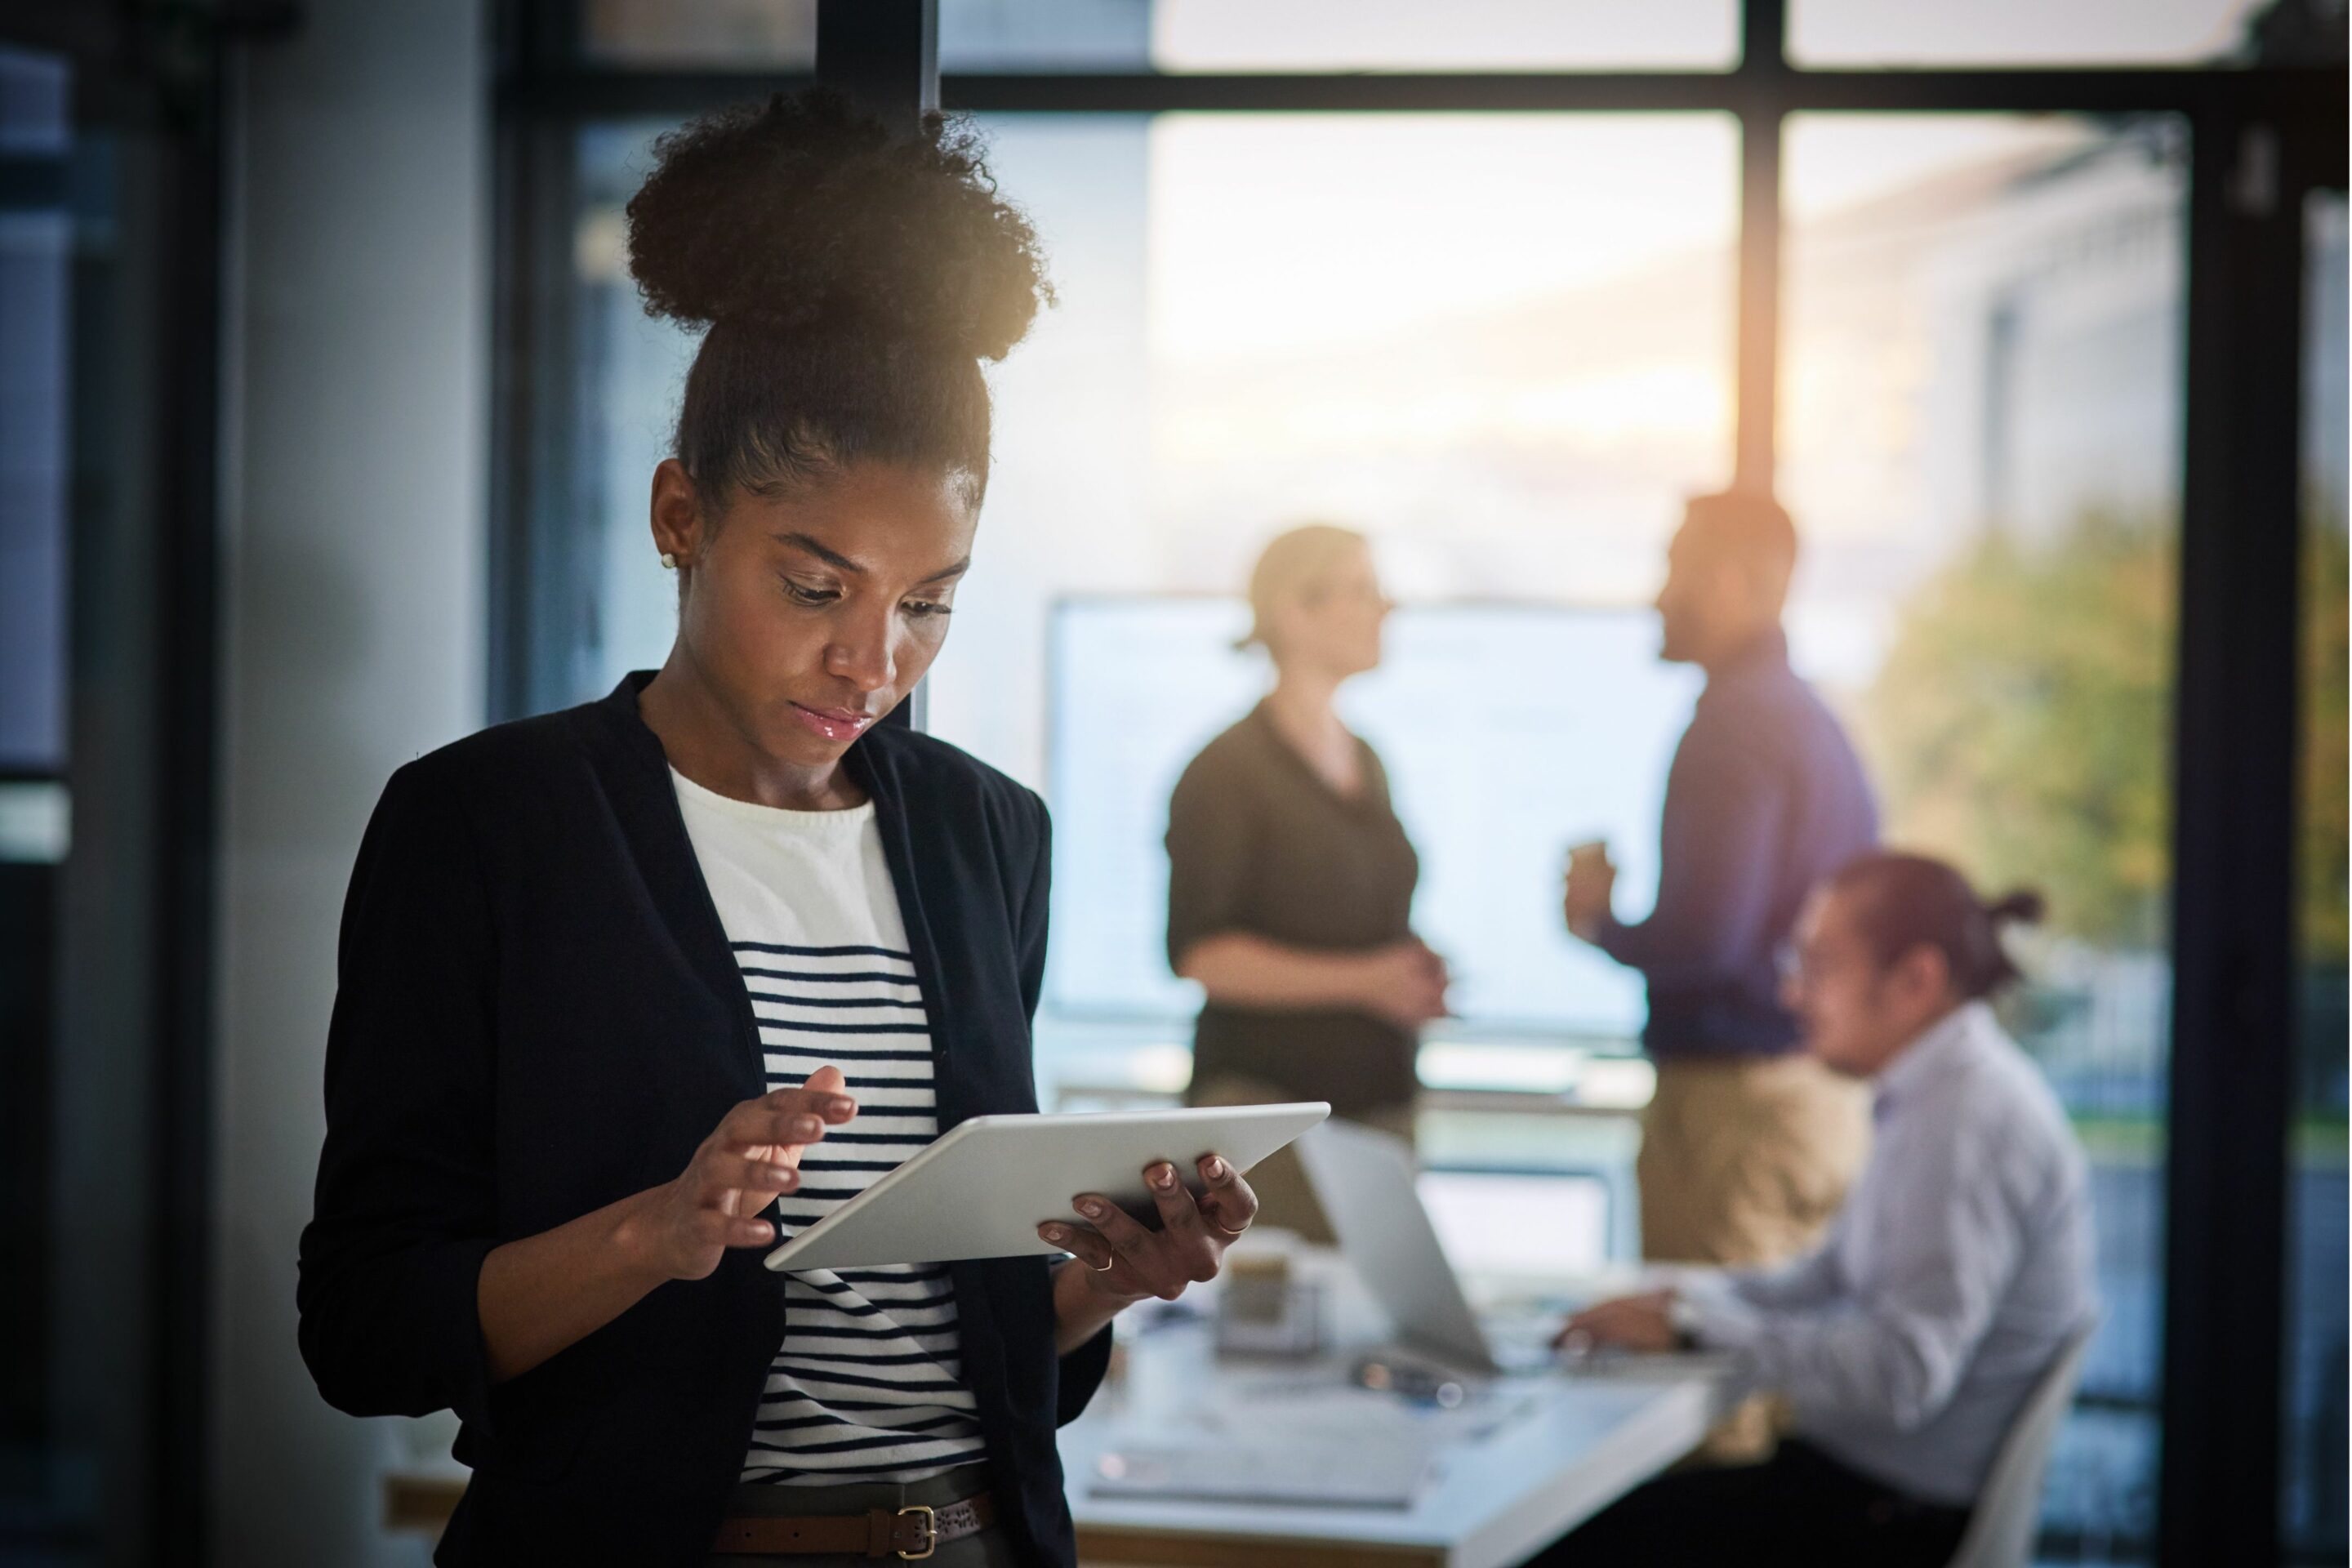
pixel 1563 1448
pixel 1575 1445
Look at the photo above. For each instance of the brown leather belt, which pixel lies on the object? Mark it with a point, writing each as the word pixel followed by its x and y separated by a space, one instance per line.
pixel 912 1532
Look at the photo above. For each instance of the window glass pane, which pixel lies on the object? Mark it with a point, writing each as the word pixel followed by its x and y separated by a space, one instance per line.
pixel 2016 32
pixel 37 1446
pixel 1982 413
pixel 83 362
pixel 35 273
pixel 2313 1461
pixel 716 34
pixel 633 369
pixel 1469 35
pixel 1045 35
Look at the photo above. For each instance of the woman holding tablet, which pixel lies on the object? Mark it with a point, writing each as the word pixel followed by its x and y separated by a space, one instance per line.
pixel 622 986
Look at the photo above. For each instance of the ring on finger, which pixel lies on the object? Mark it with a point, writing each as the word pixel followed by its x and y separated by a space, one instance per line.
pixel 1214 1226
pixel 1105 1269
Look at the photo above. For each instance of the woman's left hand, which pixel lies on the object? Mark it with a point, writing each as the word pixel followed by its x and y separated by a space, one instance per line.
pixel 1125 1262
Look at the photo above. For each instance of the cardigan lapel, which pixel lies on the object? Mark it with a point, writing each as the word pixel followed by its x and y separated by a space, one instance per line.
pixel 633 772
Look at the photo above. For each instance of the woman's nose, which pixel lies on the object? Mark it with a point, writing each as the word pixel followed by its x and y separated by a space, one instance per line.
pixel 862 656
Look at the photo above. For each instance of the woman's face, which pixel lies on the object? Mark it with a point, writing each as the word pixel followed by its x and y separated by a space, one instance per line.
pixel 1333 624
pixel 809 616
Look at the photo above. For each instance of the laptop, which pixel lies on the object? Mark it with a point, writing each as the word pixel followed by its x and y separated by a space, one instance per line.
pixel 1368 1182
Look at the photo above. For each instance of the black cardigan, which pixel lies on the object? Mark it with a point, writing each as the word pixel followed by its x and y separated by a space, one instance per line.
pixel 538 1014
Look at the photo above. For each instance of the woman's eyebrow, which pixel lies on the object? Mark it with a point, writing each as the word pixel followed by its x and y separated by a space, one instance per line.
pixel 833 558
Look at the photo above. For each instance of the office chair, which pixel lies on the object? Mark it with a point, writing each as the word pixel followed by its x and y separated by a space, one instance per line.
pixel 2001 1529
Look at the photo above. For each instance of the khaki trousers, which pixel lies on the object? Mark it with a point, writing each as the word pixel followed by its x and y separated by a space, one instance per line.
pixel 1745 1162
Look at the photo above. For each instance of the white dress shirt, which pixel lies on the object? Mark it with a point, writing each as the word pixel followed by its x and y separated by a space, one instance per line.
pixel 1960 1265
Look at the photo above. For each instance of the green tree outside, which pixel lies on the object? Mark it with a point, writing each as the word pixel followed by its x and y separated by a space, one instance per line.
pixel 2021 723
pixel 2322 931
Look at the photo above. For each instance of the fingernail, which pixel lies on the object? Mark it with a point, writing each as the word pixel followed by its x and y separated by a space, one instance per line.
pixel 779 1175
pixel 807 1127
pixel 844 1105
pixel 1164 1177
pixel 1055 1232
pixel 1216 1169
pixel 1089 1207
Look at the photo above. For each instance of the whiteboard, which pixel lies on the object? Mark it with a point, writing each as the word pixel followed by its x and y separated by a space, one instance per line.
pixel 1509 733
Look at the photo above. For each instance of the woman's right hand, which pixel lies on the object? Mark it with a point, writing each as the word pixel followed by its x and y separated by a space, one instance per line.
pixel 1404 984
pixel 685 1226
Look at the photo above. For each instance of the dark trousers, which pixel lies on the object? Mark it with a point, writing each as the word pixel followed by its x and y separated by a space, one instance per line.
pixel 1800 1508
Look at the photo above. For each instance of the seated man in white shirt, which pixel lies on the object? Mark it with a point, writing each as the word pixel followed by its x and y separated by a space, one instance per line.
pixel 1960 1265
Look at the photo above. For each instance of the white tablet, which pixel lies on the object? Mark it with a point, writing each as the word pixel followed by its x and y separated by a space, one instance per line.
pixel 986 1186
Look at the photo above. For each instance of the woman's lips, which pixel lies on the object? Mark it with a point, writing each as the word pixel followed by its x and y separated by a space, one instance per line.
pixel 833 723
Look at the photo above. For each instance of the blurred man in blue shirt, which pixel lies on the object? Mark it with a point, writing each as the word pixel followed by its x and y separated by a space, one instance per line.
pixel 1748 1145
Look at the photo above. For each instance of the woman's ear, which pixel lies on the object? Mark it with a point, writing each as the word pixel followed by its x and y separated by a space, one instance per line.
pixel 678 520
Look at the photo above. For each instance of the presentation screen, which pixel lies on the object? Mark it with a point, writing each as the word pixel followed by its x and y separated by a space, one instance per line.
pixel 1509 733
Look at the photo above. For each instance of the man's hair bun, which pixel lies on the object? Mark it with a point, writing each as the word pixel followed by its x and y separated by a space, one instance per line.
pixel 1910 901
pixel 2021 906
pixel 802 213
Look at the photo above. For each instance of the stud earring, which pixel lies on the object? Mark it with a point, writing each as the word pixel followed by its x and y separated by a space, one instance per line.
pixel 669 561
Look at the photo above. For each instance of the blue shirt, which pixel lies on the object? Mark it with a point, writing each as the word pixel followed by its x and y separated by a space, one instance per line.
pixel 1960 1267
pixel 1765 799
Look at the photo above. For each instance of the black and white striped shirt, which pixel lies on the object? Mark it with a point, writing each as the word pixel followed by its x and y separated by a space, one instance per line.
pixel 869 1384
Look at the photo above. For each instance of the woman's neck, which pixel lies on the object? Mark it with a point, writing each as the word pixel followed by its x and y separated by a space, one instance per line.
pixel 1300 706
pixel 703 739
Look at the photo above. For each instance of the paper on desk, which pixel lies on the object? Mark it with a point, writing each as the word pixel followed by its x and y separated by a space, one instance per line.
pixel 1322 1474
pixel 1298 1442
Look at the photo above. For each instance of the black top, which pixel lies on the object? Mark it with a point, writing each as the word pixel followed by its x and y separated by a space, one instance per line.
pixel 1765 799
pixel 538 1014
pixel 1257 842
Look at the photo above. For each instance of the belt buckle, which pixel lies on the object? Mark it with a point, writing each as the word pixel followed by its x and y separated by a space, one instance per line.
pixel 931 1531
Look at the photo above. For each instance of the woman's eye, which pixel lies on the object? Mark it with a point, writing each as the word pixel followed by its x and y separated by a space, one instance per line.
pixel 922 609
pixel 801 596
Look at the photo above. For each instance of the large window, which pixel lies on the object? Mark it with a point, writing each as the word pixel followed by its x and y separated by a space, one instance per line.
pixel 1503 320
pixel 107 481
pixel 1982 399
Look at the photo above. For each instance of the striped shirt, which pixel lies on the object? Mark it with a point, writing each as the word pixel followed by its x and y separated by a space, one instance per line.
pixel 869 1384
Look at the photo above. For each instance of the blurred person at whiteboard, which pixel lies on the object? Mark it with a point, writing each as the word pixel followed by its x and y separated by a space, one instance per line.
pixel 1749 1144
pixel 1290 880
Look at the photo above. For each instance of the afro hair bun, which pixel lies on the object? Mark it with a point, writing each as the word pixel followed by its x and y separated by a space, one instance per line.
pixel 803 213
